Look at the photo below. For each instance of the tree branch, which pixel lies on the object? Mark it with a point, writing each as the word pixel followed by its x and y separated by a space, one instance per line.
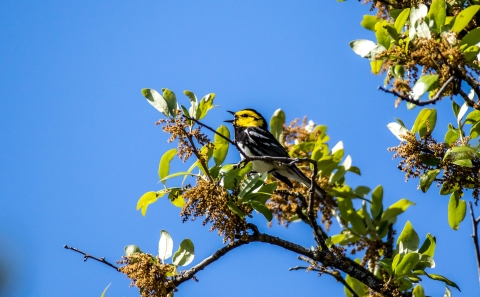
pixel 409 99
pixel 335 274
pixel 86 256
pixel 475 223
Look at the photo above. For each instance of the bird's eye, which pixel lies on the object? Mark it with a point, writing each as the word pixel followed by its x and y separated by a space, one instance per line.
pixel 244 116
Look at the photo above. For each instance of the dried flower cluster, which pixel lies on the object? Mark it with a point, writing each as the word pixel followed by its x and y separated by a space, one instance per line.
pixel 179 129
pixel 419 156
pixel 288 204
pixel 209 199
pixel 148 275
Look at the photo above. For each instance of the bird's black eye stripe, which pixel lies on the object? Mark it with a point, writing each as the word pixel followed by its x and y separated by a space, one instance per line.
pixel 244 116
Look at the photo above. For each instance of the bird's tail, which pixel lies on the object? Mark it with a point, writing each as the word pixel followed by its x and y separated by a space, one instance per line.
pixel 299 176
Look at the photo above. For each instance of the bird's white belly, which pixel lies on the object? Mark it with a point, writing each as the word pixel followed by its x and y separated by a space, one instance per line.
pixel 258 166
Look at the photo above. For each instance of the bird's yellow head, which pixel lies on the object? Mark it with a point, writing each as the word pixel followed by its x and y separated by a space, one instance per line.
pixel 246 118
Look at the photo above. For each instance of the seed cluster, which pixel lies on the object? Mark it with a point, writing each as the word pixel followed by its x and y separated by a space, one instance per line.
pixel 148 275
pixel 210 200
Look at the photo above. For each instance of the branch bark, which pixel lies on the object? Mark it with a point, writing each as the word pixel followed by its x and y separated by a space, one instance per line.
pixel 87 256
pixel 475 222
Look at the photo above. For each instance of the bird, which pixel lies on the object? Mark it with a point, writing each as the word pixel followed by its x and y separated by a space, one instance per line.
pixel 254 139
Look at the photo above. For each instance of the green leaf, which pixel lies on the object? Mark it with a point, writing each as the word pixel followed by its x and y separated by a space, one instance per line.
pixel 191 96
pixel 132 249
pixel 472 38
pixel 276 123
pixel 426 83
pixel 456 210
pixel 261 208
pixel 395 209
pixel 383 37
pixel 221 145
pixel 361 191
pixel 418 291
pixel 397 130
pixel 369 22
pixel 439 278
pixel 376 207
pixel 355 170
pixel 171 100
pixel 165 246
pixel 234 208
pixel 105 290
pixel 376 66
pixel 164 166
pixel 471 52
pixel 475 131
pixel 147 199
pixel 401 19
pixel 456 108
pixel 204 106
pixel 366 48
pixel 425 115
pixel 462 112
pixel 358 287
pixel 464 17
pixel 358 225
pixel 427 179
pixel 417 14
pixel 185 253
pixel 176 198
pixel 437 13
pixel 392 31
pixel 250 183
pixel 182 173
pixel 428 246
pixel 463 163
pixel 339 174
pixel 452 135
pixel 156 100
pixel 409 237
pixel 407 263
pixel 448 293
pixel 474 116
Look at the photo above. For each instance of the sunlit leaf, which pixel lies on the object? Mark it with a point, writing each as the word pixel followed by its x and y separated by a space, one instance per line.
pixel 221 145
pixel 407 263
pixel 369 22
pixel 464 17
pixel 383 37
pixel 438 13
pixel 132 249
pixel 418 291
pixel 376 207
pixel 164 166
pixel 276 123
pixel 427 179
pixel 185 253
pixel 397 130
pixel 402 19
pixel 171 100
pixel 457 209
pixel 426 83
pixel 439 278
pixel 206 103
pixel 366 48
pixel 472 38
pixel 426 115
pixel 261 208
pixel 395 209
pixel 165 246
pixel 409 237
pixel 105 290
pixel 428 246
pixel 147 199
pixel 156 100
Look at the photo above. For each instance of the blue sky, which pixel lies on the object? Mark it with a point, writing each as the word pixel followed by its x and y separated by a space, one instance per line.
pixel 79 145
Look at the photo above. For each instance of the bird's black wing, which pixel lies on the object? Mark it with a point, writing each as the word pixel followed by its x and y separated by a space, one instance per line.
pixel 263 143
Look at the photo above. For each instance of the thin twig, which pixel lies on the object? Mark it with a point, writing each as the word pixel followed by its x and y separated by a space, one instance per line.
pixel 199 157
pixel 475 223
pixel 335 274
pixel 234 143
pixel 409 99
pixel 86 256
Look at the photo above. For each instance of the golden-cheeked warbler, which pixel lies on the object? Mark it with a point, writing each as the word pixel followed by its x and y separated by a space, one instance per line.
pixel 254 139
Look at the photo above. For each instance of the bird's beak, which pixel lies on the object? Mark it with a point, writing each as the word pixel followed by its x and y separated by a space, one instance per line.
pixel 230 121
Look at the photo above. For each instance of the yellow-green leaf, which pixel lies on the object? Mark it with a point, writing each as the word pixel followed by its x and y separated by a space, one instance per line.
pixel 221 145
pixel 276 123
pixel 437 13
pixel 383 37
pixel 369 22
pixel 164 166
pixel 206 103
pixel 425 115
pixel 402 19
pixel 376 207
pixel 376 66
pixel 395 209
pixel 185 253
pixel 456 210
pixel 149 198
pixel 464 17
pixel 105 290
pixel 427 179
